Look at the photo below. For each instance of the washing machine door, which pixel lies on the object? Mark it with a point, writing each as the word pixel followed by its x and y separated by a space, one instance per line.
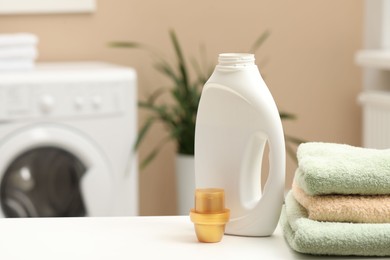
pixel 52 171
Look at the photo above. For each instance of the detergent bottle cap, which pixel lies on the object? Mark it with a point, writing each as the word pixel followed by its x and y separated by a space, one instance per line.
pixel 209 200
pixel 209 214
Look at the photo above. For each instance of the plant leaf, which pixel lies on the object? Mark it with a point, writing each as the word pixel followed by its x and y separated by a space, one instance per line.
pixel 291 153
pixel 180 58
pixel 137 45
pixel 259 42
pixel 156 94
pixel 294 140
pixel 197 68
pixel 143 131
pixel 161 112
pixel 287 116
pixel 208 68
pixel 126 45
pixel 166 69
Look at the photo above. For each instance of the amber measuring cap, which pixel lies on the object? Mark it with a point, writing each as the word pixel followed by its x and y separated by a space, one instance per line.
pixel 209 214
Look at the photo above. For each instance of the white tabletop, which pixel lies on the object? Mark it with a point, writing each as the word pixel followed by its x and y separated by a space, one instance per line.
pixel 130 238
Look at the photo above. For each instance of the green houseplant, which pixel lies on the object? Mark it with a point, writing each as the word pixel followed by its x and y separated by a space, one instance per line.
pixel 179 117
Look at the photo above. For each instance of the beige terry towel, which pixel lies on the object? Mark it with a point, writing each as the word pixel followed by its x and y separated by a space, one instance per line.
pixel 345 208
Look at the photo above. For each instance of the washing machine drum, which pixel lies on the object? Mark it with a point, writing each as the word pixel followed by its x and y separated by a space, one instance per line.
pixel 43 182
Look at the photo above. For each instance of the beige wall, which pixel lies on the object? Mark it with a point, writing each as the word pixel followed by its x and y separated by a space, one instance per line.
pixel 308 61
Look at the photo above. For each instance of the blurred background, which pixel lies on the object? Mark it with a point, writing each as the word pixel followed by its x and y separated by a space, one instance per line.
pixel 308 61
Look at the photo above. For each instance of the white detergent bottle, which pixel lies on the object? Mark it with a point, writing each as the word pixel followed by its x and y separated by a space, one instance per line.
pixel 237 116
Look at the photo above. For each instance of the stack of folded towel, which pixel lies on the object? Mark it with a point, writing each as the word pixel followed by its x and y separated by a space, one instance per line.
pixel 340 201
pixel 18 51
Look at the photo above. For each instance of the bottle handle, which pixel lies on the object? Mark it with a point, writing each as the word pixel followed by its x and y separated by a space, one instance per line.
pixel 273 193
pixel 262 207
pixel 277 163
pixel 251 193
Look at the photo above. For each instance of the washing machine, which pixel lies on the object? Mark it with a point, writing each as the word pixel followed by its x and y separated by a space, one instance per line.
pixel 66 137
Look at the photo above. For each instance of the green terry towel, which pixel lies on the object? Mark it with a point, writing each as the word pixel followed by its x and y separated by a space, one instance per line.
pixel 327 168
pixel 332 238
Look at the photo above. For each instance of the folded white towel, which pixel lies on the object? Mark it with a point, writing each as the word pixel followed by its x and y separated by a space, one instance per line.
pixel 16 64
pixel 20 52
pixel 17 39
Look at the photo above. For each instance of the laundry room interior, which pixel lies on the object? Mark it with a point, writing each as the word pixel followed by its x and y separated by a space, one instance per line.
pixel 310 54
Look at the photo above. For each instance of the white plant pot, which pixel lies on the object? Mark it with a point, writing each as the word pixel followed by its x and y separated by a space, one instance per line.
pixel 185 183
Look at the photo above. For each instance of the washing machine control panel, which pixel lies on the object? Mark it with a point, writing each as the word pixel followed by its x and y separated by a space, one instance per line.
pixel 61 100
pixel 65 95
